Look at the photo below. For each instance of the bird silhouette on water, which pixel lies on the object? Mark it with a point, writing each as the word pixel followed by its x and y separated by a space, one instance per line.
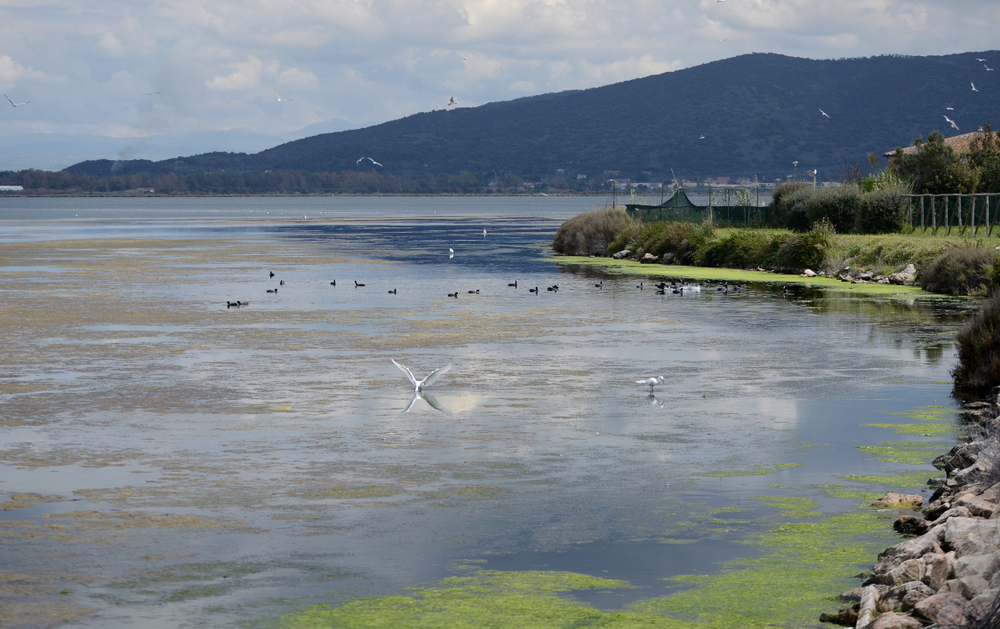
pixel 356 284
pixel 514 284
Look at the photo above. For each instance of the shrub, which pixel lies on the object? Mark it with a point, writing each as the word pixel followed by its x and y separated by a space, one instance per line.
pixel 592 233
pixel 681 238
pixel 802 251
pixel 791 211
pixel 968 270
pixel 882 212
pixel 738 249
pixel 978 343
pixel 839 206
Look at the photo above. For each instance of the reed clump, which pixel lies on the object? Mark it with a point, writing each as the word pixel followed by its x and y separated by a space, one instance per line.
pixel 978 343
pixel 591 234
pixel 962 270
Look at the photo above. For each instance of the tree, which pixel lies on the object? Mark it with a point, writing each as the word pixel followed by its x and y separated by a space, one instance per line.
pixel 984 156
pixel 934 168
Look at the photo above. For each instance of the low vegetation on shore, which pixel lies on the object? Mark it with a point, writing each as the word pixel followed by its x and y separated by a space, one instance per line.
pixel 954 265
pixel 978 343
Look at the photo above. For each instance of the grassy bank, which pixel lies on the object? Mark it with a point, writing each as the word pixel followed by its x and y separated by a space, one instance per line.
pixel 955 264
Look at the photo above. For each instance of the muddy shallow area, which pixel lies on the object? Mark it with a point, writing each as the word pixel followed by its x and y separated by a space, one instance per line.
pixel 166 459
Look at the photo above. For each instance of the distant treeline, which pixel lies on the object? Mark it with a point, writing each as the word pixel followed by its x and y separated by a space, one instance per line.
pixel 281 182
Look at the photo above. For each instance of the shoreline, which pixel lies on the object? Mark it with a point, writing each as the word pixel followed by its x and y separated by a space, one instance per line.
pixel 947 573
pixel 705 273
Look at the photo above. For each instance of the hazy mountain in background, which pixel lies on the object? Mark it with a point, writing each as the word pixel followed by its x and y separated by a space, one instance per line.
pixel 758 114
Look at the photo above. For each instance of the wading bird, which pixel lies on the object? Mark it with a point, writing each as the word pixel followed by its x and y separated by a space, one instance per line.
pixel 651 382
pixel 418 385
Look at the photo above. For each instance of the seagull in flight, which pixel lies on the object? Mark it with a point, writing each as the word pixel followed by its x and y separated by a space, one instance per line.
pixel 952 123
pixel 418 385
pixel 13 104
pixel 701 137
pixel 824 113
pixel 950 108
pixel 451 101
pixel 369 159
pixel 973 87
pixel 464 58
pixel 150 93
pixel 988 69
pixel 280 99
pixel 980 60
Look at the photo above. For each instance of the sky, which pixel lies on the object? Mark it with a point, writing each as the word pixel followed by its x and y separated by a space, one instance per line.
pixel 134 79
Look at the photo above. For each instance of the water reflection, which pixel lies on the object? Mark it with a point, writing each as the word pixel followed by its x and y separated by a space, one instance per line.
pixel 428 399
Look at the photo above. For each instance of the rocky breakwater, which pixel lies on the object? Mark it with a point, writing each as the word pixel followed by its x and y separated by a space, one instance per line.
pixel 948 574
pixel 906 277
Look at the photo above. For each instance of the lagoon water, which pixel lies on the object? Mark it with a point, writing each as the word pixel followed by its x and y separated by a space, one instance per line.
pixel 168 460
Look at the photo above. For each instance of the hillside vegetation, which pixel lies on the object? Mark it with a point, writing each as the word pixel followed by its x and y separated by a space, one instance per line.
pixel 758 114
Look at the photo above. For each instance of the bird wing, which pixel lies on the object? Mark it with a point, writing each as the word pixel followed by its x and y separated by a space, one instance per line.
pixel 9 100
pixel 434 375
pixel 409 374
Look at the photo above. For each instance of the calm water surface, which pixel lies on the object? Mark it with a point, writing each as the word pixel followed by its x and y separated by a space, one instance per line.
pixel 170 460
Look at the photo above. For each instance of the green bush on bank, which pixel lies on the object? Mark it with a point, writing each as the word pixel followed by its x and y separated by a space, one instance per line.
pixel 978 343
pixel 964 270
pixel 876 210
pixel 767 248
pixel 592 233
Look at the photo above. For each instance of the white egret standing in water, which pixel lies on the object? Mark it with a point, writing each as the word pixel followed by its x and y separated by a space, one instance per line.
pixel 651 382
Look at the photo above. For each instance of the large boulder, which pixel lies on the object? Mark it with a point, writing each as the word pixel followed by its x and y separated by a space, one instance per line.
pixel 892 620
pixel 893 500
pixel 971 536
pixel 946 609
pixel 902 279
pixel 910 549
pixel 621 255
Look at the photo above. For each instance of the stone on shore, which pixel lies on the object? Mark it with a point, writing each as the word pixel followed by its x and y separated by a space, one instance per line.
pixel 892 620
pixel 893 500
pixel 624 253
pixel 648 258
pixel 902 279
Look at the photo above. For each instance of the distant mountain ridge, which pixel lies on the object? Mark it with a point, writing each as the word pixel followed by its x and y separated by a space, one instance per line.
pixel 758 114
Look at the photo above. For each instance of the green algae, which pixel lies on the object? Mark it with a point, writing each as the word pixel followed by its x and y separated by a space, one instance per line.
pixel 899 479
pixel 628 267
pixel 756 471
pixel 803 564
pixel 919 430
pixel 909 452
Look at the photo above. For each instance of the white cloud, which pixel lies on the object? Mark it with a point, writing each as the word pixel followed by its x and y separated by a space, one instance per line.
pixel 217 62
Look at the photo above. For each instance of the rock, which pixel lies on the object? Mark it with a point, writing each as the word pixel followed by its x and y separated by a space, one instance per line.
pixel 910 549
pixel 982 566
pixel 902 279
pixel 958 458
pixel 892 620
pixel 992 494
pixel 893 500
pixel 973 586
pixel 971 536
pixel 646 259
pixel 846 617
pixel 906 572
pixel 809 273
pixel 911 525
pixel 882 280
pixel 975 505
pixel 953 512
pixel 912 270
pixel 866 275
pixel 851 596
pixel 624 253
pixel 980 606
pixel 936 509
pixel 669 258
pixel 938 568
pixel 868 607
pixel 942 609
pixel 913 593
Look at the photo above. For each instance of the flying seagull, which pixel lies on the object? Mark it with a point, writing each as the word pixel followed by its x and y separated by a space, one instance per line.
pixel 369 159
pixel 150 93
pixel 467 58
pixel 451 101
pixel 280 99
pixel 418 385
pixel 952 123
pixel 651 382
pixel 950 108
pixel 824 113
pixel 13 104
pixel 980 60
pixel 701 137
pixel 988 69
pixel 973 87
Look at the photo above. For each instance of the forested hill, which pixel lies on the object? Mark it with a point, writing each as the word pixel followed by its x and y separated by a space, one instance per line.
pixel 758 113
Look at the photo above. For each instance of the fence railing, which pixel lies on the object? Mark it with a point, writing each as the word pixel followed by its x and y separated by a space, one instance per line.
pixel 964 212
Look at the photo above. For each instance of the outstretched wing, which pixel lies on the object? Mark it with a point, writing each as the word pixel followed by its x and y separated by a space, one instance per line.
pixel 408 373
pixel 433 403
pixel 434 375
